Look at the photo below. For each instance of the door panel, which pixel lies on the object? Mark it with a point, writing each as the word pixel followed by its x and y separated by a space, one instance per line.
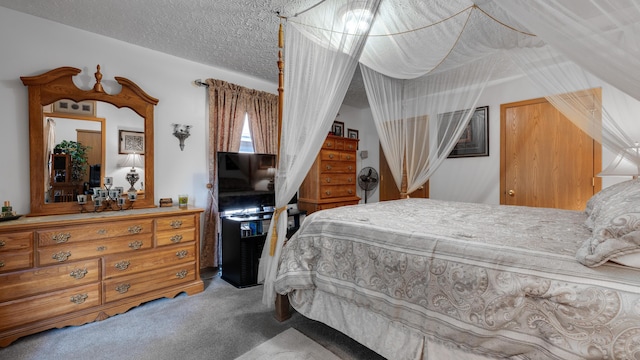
pixel 388 188
pixel 546 161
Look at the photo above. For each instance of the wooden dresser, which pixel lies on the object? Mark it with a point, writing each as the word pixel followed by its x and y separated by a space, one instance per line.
pixel 65 270
pixel 331 181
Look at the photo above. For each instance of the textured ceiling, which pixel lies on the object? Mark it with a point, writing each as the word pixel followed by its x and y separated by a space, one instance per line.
pixel 239 35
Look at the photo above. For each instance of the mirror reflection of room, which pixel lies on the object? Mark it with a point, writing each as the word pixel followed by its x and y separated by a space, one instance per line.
pixel 81 150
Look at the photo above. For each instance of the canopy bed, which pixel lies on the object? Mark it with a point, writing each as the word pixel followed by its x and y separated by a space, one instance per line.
pixel 449 52
pixel 499 281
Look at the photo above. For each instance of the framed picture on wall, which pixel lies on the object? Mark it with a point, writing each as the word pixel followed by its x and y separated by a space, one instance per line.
pixel 87 108
pixel 131 142
pixel 352 134
pixel 338 128
pixel 474 140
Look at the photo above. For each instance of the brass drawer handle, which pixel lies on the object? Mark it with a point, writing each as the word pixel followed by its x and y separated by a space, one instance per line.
pixel 123 288
pixel 135 229
pixel 102 231
pixel 61 238
pixel 350 167
pixel 350 146
pixel 2 243
pixel 348 157
pixel 328 167
pixel 122 265
pixel 79 299
pixel 350 191
pixel 328 192
pixel 328 144
pixel 1 263
pixel 350 179
pixel 330 156
pixel 182 274
pixel 61 256
pixel 135 245
pixel 176 224
pixel 328 179
pixel 101 248
pixel 78 273
pixel 182 254
pixel 176 238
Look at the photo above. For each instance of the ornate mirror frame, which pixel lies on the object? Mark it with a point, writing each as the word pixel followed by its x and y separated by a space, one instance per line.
pixel 57 84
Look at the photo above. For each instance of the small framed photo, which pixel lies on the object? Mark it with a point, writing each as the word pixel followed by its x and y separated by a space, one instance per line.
pixel 67 106
pixel 352 134
pixel 338 128
pixel 131 142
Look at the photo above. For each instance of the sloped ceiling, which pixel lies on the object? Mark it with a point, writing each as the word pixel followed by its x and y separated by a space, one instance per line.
pixel 239 35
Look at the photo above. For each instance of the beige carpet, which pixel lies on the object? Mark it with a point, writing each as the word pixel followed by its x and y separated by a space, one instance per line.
pixel 289 345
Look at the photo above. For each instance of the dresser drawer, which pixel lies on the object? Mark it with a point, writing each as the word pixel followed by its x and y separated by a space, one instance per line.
pixel 131 285
pixel 16 242
pixel 50 278
pixel 124 264
pixel 94 232
pixel 336 191
pixel 40 307
pixel 348 156
pixel 332 155
pixel 350 145
pixel 175 222
pixel 10 261
pixel 175 236
pixel 67 252
pixel 337 167
pixel 337 155
pixel 330 143
pixel 335 205
pixel 337 179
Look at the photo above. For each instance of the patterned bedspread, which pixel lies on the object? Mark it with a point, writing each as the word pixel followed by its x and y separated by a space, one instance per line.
pixel 497 280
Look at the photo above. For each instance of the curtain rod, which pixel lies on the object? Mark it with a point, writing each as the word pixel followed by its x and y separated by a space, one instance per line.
pixel 199 82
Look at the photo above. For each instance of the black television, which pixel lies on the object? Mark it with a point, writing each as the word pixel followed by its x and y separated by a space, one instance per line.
pixel 245 180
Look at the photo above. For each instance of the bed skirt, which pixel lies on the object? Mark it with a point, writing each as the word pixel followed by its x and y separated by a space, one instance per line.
pixel 390 339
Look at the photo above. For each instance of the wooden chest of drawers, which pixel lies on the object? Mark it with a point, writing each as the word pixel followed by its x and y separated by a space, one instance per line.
pixel 331 181
pixel 72 269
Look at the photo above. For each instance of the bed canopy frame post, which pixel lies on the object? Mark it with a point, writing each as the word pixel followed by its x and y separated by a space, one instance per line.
pixel 403 182
pixel 283 311
pixel 280 84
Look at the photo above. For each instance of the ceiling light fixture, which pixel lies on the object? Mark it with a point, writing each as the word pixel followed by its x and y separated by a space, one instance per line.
pixel 357 20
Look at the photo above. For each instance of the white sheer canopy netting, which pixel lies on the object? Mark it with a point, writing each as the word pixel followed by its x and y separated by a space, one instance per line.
pixel 425 63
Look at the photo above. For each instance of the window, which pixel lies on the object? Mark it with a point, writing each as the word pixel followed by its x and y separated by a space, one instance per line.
pixel 246 145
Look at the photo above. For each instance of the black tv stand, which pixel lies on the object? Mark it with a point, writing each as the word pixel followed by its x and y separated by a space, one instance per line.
pixel 243 237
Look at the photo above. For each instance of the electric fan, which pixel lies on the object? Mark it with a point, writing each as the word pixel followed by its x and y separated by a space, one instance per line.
pixel 367 180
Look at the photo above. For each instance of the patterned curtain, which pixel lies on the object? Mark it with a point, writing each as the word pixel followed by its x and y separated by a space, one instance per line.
pixel 228 104
pixel 227 108
pixel 262 108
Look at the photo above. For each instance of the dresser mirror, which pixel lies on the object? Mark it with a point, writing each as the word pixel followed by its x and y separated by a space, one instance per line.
pixel 111 127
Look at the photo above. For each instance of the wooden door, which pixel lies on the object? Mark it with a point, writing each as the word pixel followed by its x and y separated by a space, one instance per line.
pixel 546 161
pixel 93 139
pixel 387 186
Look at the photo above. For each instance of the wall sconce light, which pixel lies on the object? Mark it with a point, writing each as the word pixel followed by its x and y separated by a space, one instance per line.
pixel 181 132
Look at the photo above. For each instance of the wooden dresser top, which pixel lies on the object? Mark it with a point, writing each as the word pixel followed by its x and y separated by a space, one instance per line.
pixel 29 222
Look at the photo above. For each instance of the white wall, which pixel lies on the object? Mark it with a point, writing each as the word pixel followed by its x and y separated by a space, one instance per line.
pixel 31 46
pixel 474 179
pixel 43 45
pixel 362 120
